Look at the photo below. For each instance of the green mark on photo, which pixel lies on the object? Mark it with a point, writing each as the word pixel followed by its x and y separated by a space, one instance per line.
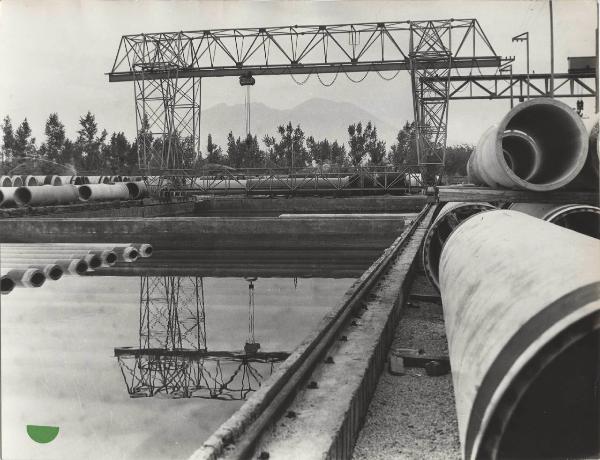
pixel 42 434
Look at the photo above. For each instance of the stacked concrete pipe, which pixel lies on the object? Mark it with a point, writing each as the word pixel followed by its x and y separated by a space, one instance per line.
pixel 540 145
pixel 5 181
pixel 450 217
pixel 103 192
pixel 582 218
pixel 46 195
pixel 137 190
pixel 17 181
pixel 521 300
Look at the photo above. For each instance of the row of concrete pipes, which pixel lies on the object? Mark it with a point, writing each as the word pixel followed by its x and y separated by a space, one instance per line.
pixel 47 195
pixel 540 145
pixel 30 265
pixel 32 181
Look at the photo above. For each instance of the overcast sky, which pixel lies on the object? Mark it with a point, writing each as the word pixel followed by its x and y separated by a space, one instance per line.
pixel 55 54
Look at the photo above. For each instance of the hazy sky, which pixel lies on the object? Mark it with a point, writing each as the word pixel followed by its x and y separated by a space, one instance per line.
pixel 55 54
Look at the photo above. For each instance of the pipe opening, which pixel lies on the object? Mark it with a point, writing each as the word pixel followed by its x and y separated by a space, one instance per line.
pixel 521 154
pixel 6 285
pixel 558 413
pixel 22 196
pixel 111 258
pixel 447 220
pixel 55 273
pixel 582 220
pixel 85 192
pixel 37 279
pixel 81 267
pixel 6 182
pixel 560 138
pixel 94 261
pixel 134 190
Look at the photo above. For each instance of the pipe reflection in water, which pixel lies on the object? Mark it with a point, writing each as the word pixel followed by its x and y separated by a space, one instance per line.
pixel 172 358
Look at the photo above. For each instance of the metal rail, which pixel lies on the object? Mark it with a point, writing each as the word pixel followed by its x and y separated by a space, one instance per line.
pixel 240 434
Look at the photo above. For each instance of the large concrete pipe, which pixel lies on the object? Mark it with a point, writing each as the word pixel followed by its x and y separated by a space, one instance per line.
pixel 17 181
pixel 521 300
pixel 7 196
pixel 6 285
pixel 137 190
pixel 589 177
pixel 539 145
pixel 5 181
pixel 46 195
pixel 581 218
pixel 450 217
pixel 103 192
pixel 145 250
pixel 51 271
pixel 92 260
pixel 29 277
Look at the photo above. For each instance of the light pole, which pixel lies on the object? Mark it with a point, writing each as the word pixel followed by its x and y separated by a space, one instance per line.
pixel 524 37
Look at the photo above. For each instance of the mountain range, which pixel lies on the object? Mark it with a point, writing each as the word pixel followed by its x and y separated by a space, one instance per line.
pixel 320 118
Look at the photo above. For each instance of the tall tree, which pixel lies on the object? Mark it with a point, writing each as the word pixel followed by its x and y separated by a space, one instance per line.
pixel 8 140
pixel 373 146
pixel 356 143
pixel 243 153
pixel 404 151
pixel 24 144
pixel 119 155
pixel 457 157
pixel 290 148
pixel 89 144
pixel 214 153
pixel 55 139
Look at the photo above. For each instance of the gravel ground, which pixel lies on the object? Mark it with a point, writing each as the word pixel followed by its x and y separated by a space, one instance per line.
pixel 412 416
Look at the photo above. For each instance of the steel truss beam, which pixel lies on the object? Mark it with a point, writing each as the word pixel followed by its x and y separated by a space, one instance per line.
pixel 506 86
pixel 425 48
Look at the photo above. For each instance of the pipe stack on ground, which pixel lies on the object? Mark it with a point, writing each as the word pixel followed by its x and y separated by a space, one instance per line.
pixel 540 145
pixel 521 301
pixel 450 217
pixel 29 265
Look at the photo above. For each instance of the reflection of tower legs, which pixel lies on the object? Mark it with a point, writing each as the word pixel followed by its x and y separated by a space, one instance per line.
pixel 172 312
pixel 172 357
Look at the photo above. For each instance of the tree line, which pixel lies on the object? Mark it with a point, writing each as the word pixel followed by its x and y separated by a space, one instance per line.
pixel 97 151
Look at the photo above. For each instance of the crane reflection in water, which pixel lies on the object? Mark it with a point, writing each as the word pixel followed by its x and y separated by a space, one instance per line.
pixel 172 358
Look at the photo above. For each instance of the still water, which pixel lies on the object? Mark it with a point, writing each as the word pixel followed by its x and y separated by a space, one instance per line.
pixel 59 366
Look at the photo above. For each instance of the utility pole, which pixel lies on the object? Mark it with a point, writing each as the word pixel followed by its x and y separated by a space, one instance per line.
pixel 524 37
pixel 551 52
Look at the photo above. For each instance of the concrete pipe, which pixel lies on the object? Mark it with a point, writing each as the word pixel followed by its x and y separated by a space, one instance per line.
pixel 5 181
pixel 52 180
pixel 66 180
pixel 103 192
pixel 51 271
pixel 450 217
pixel 137 190
pixel 17 181
pixel 521 302
pixel 7 197
pixel 539 145
pixel 46 195
pixel 145 250
pixel 589 177
pixel 29 277
pixel 94 179
pixel 40 180
pixel 92 260
pixel 6 285
pixel 29 181
pixel 581 218
pixel 107 253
